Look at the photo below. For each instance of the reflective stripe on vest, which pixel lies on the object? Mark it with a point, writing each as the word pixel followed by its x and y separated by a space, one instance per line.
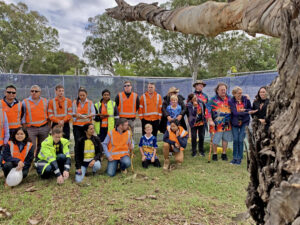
pixel 111 118
pixel 15 151
pixel 173 136
pixel 1 127
pixel 121 111
pixel 55 109
pixel 28 108
pixel 82 120
pixel 146 113
pixel 118 153
pixel 13 117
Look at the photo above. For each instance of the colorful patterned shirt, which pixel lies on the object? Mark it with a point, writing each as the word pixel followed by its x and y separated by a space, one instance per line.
pixel 201 96
pixel 148 145
pixel 220 113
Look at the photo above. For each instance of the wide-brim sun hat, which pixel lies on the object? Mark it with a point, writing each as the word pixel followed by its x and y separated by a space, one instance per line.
pixel 173 89
pixel 199 82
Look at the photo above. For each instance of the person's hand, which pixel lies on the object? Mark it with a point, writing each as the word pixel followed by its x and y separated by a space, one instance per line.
pixel 211 123
pixel 169 118
pixel 61 123
pixel 110 158
pixel 60 179
pixel 153 159
pixel 177 133
pixel 195 104
pixel 261 105
pixel 143 157
pixel 247 96
pixel 79 172
pixel 179 117
pixel 66 175
pixel 91 164
pixel 131 147
pixel 252 111
pixel 263 121
pixel 177 145
pixel 20 165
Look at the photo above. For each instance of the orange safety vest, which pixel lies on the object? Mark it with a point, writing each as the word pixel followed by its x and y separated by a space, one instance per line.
pixel 127 106
pixel 173 137
pixel 150 108
pixel 85 110
pixel 57 113
pixel 104 122
pixel 36 115
pixel 16 153
pixel 13 114
pixel 2 117
pixel 119 144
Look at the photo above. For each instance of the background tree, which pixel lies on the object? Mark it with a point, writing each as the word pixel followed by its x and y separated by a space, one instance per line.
pixel 24 35
pixel 113 43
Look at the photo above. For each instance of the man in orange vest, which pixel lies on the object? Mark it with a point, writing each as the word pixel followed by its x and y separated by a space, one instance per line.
pixel 150 109
pixel 128 104
pixel 12 107
pixel 4 132
pixel 117 147
pixel 36 117
pixel 60 110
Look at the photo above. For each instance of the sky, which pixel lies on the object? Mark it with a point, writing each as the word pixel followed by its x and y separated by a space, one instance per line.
pixel 70 17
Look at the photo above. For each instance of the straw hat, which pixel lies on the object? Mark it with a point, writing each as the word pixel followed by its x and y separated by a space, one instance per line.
pixel 199 82
pixel 173 89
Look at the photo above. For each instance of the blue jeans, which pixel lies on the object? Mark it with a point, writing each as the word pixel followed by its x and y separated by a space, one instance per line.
pixel 79 177
pixel 113 165
pixel 238 141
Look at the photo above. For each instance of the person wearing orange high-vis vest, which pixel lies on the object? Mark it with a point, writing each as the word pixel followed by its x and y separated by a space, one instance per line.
pixel 117 146
pixel 12 107
pixel 128 104
pixel 83 113
pixel 36 117
pixel 150 109
pixel 60 111
pixel 18 153
pixel 175 140
pixel 4 132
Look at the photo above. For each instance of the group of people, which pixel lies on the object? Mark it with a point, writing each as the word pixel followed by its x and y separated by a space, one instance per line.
pixel 38 130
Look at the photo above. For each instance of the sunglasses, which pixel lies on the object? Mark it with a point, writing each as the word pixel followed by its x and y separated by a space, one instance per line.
pixel 34 91
pixel 127 85
pixel 11 92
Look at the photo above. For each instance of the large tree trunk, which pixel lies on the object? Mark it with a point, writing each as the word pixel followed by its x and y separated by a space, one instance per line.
pixel 274 189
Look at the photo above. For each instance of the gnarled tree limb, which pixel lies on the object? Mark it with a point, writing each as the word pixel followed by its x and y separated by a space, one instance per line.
pixel 209 18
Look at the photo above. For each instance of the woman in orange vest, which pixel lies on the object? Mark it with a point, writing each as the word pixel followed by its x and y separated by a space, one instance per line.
pixel 83 113
pixel 18 152
pixel 175 140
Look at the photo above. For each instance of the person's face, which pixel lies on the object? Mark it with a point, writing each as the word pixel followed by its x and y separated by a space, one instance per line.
pixel 194 99
pixel 173 127
pixel 174 102
pixel 57 137
pixel 127 87
pixel 238 95
pixel 148 130
pixel 106 96
pixel 151 88
pixel 60 92
pixel 20 135
pixel 199 87
pixel 90 131
pixel 35 93
pixel 10 94
pixel 82 96
pixel 222 91
pixel 125 126
pixel 263 93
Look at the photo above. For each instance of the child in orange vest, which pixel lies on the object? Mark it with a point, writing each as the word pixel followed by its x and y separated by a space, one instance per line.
pixel 148 146
pixel 18 152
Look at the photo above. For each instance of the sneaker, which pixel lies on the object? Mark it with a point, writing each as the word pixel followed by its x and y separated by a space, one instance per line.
pixel 202 154
pixel 238 162
pixel 215 157
pixel 224 157
pixel 194 154
pixel 233 161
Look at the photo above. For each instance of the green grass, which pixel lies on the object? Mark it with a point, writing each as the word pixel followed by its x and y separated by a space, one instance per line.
pixel 197 193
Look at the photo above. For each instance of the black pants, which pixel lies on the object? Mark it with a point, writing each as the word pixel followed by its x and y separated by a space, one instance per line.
pixel 201 134
pixel 66 130
pixel 147 162
pixel 103 133
pixel 7 167
pixel 155 126
pixel 49 170
pixel 78 132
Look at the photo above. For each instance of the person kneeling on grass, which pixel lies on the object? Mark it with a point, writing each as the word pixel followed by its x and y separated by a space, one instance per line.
pixel 87 153
pixel 148 146
pixel 18 152
pixel 117 147
pixel 54 157
pixel 175 140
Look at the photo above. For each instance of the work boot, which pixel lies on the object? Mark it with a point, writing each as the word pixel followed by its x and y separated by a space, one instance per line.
pixel 194 154
pixel 166 164
pixel 215 157
pixel 224 157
